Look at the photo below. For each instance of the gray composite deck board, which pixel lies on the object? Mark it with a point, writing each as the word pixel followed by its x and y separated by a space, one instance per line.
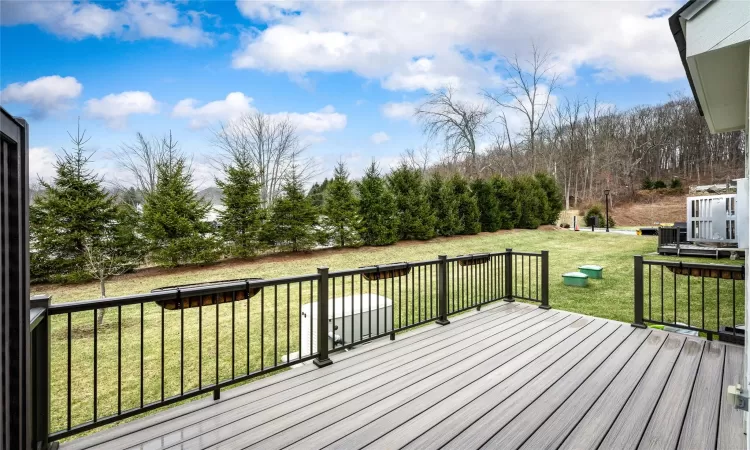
pixel 381 358
pixel 730 419
pixel 701 422
pixel 365 408
pixel 584 419
pixel 628 428
pixel 244 421
pixel 576 381
pixel 511 376
pixel 664 428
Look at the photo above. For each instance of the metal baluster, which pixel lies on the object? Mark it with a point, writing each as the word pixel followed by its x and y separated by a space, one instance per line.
pixel 141 355
pixel 119 360
pixel 217 391
pixel 96 360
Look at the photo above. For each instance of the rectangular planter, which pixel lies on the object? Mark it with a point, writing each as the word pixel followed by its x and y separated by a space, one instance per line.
pixel 592 271
pixel 577 279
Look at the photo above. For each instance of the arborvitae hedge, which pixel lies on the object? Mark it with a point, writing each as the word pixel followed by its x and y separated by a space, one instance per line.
pixel 416 219
pixel 490 215
pixel 531 201
pixel 554 194
pixel 377 209
pixel 444 205
pixel 468 211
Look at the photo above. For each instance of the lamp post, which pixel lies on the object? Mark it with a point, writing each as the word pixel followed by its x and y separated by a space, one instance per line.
pixel 606 207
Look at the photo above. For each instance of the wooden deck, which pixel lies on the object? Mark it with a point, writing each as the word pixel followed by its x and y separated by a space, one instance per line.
pixel 511 376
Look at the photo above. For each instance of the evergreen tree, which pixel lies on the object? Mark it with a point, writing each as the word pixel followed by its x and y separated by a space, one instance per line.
pixel 468 211
pixel 531 201
pixel 174 217
pixel 554 194
pixel 241 219
pixel 72 212
pixel 317 193
pixel 341 208
pixel 377 209
pixel 293 218
pixel 490 215
pixel 415 216
pixel 444 205
pixel 508 206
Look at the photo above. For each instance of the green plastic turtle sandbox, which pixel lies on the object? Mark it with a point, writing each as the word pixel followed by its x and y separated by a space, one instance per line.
pixel 593 271
pixel 577 279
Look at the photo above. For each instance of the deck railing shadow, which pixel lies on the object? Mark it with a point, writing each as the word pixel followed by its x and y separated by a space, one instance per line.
pixel 96 362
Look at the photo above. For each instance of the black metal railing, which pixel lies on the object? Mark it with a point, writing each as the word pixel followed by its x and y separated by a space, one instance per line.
pixel 100 361
pixel 706 298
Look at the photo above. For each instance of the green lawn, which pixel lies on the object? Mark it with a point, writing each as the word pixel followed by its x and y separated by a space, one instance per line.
pixel 610 298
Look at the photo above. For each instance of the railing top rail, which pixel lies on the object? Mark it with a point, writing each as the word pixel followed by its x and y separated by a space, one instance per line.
pixel 527 253
pixel 171 294
pixel 691 265
pixel 474 256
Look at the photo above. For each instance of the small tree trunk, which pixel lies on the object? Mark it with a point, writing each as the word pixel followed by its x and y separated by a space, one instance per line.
pixel 103 289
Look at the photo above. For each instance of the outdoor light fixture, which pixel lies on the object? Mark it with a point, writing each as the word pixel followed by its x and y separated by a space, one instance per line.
pixel 606 207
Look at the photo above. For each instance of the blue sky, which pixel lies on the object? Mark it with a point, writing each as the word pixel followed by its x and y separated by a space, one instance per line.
pixel 348 72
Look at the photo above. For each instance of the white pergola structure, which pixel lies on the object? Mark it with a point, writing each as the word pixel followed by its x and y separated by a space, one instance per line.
pixel 713 38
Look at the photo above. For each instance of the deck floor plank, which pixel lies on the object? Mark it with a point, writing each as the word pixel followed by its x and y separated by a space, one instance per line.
pixel 574 384
pixel 381 358
pixel 511 376
pixel 584 418
pixel 591 353
pixel 238 429
pixel 628 428
pixel 664 428
pixel 702 420
pixel 731 427
pixel 367 408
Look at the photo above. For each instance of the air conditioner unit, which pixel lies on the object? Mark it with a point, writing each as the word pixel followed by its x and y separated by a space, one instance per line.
pixel 366 315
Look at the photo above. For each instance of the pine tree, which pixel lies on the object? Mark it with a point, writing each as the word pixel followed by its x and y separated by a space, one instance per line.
pixel 507 204
pixel 241 220
pixel 174 217
pixel 468 211
pixel 293 218
pixel 416 220
pixel 554 198
pixel 490 215
pixel 317 193
pixel 341 208
pixel 444 205
pixel 73 211
pixel 377 209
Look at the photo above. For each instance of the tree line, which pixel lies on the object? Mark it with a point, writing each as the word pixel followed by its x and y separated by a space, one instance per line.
pixel 587 146
pixel 81 231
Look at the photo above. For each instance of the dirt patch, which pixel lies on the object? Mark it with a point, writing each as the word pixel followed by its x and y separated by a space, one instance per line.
pixel 650 210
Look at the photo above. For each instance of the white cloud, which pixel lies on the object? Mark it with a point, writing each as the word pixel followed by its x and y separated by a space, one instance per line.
pixel 402 110
pixel 44 95
pixel 114 109
pixel 41 164
pixel 380 137
pixel 312 139
pixel 136 19
pixel 232 107
pixel 327 119
pixel 426 45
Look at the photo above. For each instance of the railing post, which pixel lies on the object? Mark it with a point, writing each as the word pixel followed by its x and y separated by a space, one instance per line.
pixel 40 380
pixel 545 280
pixel 443 291
pixel 508 275
pixel 322 360
pixel 638 292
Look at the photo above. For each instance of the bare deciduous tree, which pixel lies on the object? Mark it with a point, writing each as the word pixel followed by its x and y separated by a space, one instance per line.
pixel 270 145
pixel 530 84
pixel 457 122
pixel 142 157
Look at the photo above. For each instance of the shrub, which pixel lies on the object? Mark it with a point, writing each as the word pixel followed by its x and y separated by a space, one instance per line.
pixel 676 183
pixel 489 207
pixel 554 198
pixel 647 184
pixel 468 210
pixel 506 198
pixel 658 184
pixel 597 211
pixel 531 201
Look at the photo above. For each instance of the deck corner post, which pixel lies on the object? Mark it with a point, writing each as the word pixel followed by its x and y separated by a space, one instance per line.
pixel 40 374
pixel 508 297
pixel 442 291
pixel 545 280
pixel 638 292
pixel 322 360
